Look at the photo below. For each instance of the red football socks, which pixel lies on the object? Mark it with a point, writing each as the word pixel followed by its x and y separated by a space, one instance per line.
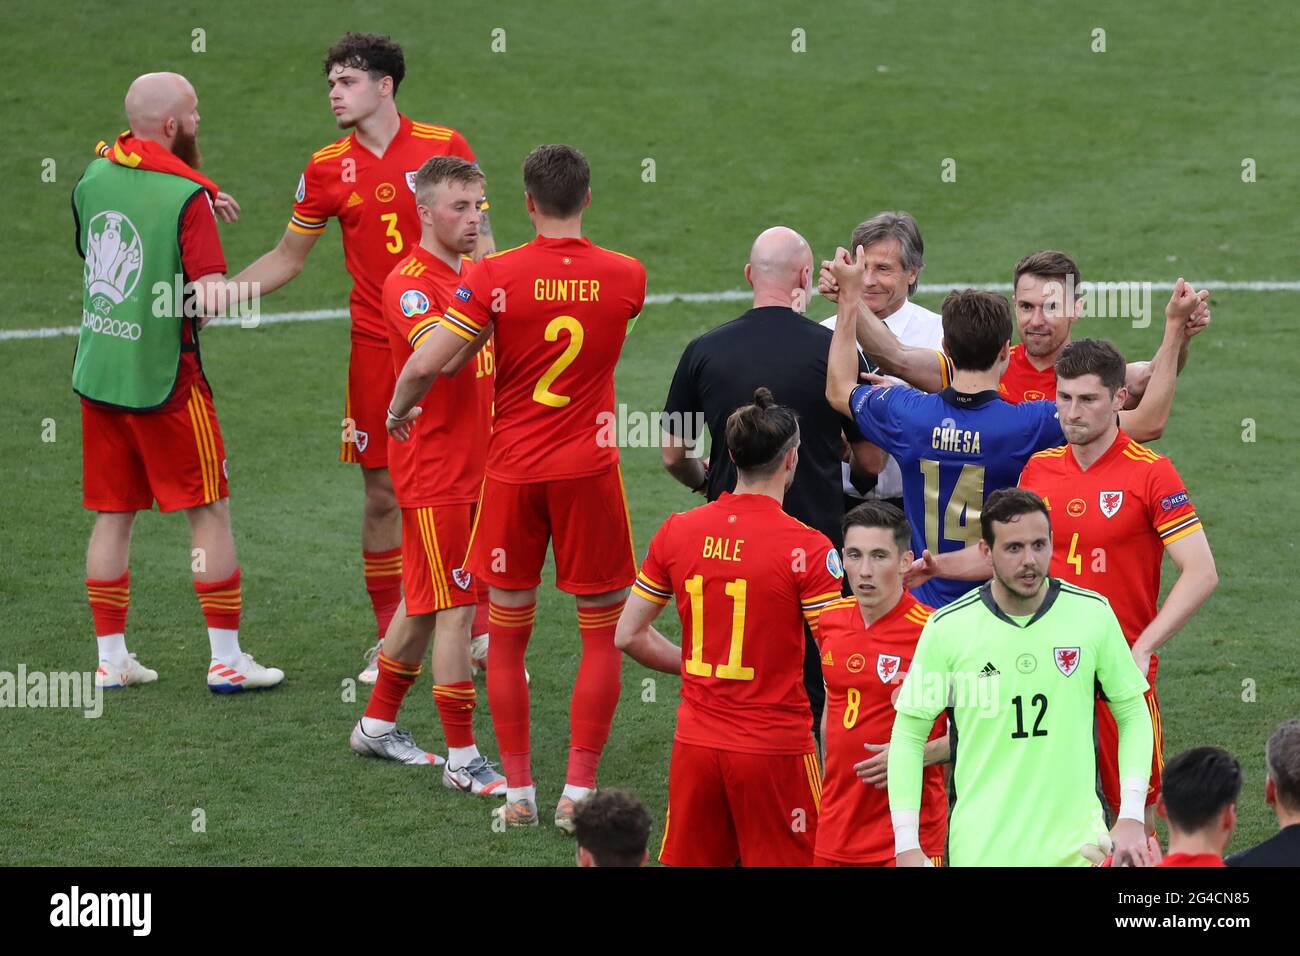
pixel 509 629
pixel 221 601
pixel 394 681
pixel 109 601
pixel 384 584
pixel 595 692
pixel 456 703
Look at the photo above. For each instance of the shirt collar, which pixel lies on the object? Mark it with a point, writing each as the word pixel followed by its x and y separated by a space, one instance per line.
pixel 1053 590
pixel 968 399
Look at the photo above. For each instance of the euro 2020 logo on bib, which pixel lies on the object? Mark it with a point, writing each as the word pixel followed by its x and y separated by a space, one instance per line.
pixel 114 260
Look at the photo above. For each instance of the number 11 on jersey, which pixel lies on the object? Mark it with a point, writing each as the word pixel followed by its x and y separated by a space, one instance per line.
pixel 695 663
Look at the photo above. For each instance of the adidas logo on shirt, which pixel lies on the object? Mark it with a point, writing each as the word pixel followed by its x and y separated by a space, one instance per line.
pixel 989 670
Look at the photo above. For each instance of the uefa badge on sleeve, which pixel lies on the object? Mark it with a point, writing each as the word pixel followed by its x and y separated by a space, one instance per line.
pixel 301 194
pixel 414 302
pixel 834 565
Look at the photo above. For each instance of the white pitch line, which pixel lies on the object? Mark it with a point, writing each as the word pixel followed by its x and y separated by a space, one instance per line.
pixel 664 298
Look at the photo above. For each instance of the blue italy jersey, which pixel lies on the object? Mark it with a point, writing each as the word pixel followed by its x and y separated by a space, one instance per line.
pixel 954 450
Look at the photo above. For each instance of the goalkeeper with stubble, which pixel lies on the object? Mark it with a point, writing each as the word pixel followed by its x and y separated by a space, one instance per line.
pixel 1016 663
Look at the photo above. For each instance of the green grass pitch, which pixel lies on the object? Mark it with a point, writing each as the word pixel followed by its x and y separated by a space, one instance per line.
pixel 1131 159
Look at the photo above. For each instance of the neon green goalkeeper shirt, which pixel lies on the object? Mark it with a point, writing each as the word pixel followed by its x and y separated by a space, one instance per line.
pixel 1020 701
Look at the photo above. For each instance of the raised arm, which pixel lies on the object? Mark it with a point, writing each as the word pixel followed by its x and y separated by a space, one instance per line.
pixel 921 368
pixel 842 360
pixel 1147 421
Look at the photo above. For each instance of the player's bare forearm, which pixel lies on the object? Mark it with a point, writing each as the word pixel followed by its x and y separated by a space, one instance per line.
pixel 438 348
pixel 1147 421
pixel 968 564
pixel 842 360
pixel 651 649
pixel 1197 578
pixel 281 264
pixel 1187 308
pixel 937 751
pixel 467 352
pixel 636 637
pixel 915 366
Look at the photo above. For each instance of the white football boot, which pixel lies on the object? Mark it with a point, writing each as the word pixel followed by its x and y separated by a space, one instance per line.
pixel 246 674
pixel 123 673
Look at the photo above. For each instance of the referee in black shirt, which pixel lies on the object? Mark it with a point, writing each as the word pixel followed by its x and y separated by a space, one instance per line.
pixel 773 346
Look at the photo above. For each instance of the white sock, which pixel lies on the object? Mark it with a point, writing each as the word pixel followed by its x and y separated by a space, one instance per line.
pixel 225 645
pixel 374 727
pixel 515 794
pixel 112 648
pixel 458 757
pixel 576 793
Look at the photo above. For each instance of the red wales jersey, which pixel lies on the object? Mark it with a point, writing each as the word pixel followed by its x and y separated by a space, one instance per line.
pixel 745 576
pixel 374 200
pixel 864 668
pixel 1111 523
pixel 560 309
pixel 442 462
pixel 1021 382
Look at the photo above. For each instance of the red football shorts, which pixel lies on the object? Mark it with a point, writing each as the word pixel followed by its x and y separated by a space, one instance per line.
pixel 174 455
pixel 586 519
pixel 365 414
pixel 1108 747
pixel 724 807
pixel 435 540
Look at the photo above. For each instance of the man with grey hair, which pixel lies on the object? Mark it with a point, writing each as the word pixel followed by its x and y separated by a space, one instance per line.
pixel 773 346
pixel 1282 792
pixel 895 257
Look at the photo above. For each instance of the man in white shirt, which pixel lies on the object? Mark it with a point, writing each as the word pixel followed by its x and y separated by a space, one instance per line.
pixel 895 257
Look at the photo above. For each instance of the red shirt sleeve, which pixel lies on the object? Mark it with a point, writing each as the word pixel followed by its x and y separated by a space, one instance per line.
pixel 470 308
pixel 639 290
pixel 313 203
pixel 652 582
pixel 201 253
pixel 1168 504
pixel 818 571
